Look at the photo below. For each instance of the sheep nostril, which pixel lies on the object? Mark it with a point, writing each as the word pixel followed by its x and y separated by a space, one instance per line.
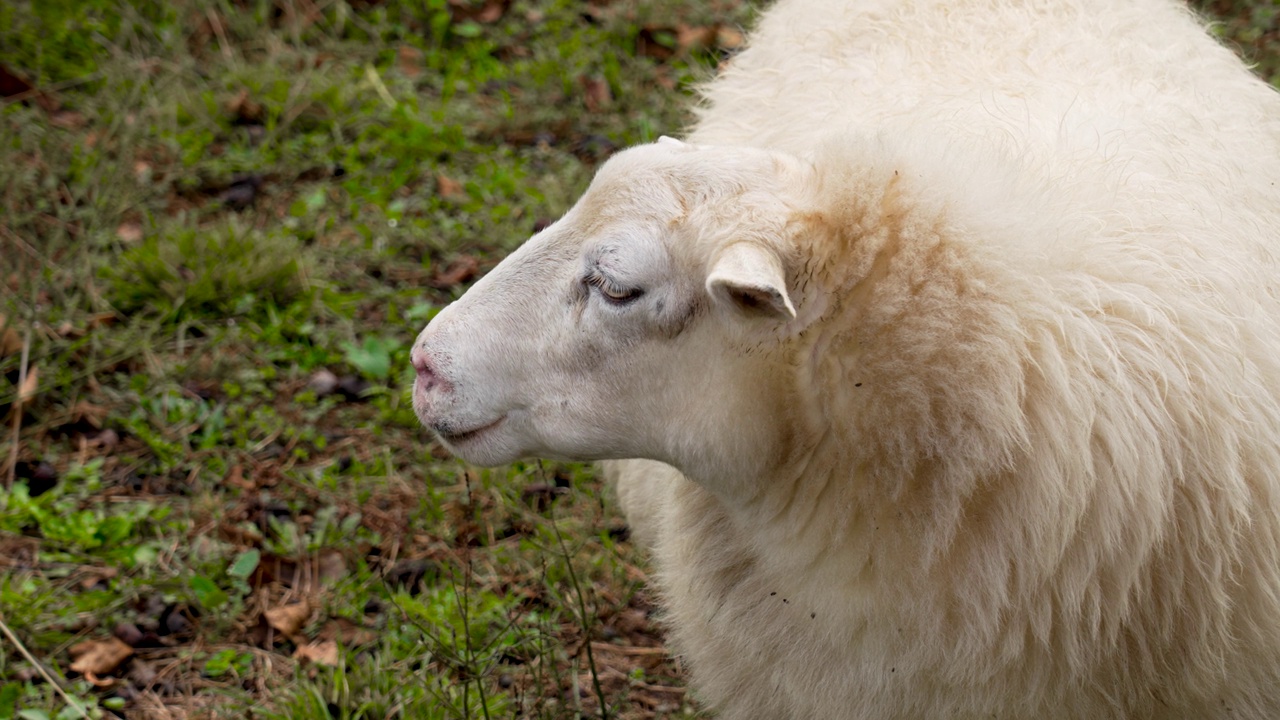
pixel 426 376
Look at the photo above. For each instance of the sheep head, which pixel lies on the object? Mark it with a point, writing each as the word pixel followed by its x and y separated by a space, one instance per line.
pixel 651 321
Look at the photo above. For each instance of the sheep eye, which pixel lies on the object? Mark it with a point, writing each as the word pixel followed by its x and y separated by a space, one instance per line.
pixel 613 293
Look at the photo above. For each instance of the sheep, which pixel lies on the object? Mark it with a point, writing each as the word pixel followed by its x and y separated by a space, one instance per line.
pixel 938 366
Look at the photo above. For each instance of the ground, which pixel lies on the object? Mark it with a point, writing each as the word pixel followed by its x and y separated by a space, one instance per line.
pixel 222 223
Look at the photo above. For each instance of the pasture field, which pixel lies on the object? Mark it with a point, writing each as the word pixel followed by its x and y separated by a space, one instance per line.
pixel 222 223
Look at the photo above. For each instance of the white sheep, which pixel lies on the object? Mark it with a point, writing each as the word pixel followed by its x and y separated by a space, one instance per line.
pixel 951 343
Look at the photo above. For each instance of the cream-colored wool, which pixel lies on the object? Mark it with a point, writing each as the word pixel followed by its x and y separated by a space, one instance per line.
pixel 952 341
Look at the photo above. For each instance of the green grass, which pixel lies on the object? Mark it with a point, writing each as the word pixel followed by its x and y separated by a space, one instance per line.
pixel 222 223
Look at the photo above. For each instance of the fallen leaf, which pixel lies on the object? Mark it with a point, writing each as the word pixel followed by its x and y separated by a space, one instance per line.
pixel 730 38
pixel 348 633
pixel 27 389
pixel 409 60
pixel 457 272
pixel 323 652
pixel 10 341
pixel 694 38
pixel 595 93
pixel 449 189
pixel 488 11
pixel 244 108
pixel 235 478
pixel 99 657
pixel 95 576
pixel 289 619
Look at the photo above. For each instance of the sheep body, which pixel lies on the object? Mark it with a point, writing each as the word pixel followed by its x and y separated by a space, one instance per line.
pixel 951 343
pixel 1047 477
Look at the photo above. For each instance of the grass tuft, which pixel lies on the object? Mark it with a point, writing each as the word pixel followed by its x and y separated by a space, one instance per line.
pixel 229 271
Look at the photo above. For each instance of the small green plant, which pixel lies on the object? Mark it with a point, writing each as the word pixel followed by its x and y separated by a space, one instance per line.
pixel 373 357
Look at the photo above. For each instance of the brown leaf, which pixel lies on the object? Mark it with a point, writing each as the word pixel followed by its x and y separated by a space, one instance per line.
pixel 488 11
pixel 289 619
pixel 457 272
pixel 346 632
pixel 99 657
pixel 10 341
pixel 96 576
pixel 450 189
pixel 235 478
pixel 694 38
pixel 595 92
pixel 130 232
pixel 730 38
pixel 244 108
pixel 27 389
pixel 85 411
pixel 409 60
pixel 322 652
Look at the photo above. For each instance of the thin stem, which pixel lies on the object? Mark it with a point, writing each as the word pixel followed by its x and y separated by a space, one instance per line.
pixel 582 610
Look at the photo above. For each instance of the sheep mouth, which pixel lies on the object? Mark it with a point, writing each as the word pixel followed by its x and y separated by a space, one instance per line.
pixel 454 437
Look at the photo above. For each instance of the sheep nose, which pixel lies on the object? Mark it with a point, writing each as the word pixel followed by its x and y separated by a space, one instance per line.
pixel 426 376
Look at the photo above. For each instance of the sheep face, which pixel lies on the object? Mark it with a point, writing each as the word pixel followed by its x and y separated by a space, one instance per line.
pixel 650 321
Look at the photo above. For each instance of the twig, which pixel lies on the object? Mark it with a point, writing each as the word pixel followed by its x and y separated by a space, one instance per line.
pixel 215 24
pixel 40 669
pixel 372 76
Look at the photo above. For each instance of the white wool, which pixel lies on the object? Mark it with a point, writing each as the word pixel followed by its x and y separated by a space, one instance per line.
pixel 1061 500
pixel 1017 453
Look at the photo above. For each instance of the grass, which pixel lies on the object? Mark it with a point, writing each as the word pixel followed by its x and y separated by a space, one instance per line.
pixel 222 223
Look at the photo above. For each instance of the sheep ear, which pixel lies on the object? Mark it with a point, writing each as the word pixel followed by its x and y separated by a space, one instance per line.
pixel 664 140
pixel 750 279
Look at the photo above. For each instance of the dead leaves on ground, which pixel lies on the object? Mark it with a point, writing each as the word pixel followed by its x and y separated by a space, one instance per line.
pixel 663 42
pixel 10 340
pixel 460 271
pixel 93 658
pixel 481 11
pixel 291 618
